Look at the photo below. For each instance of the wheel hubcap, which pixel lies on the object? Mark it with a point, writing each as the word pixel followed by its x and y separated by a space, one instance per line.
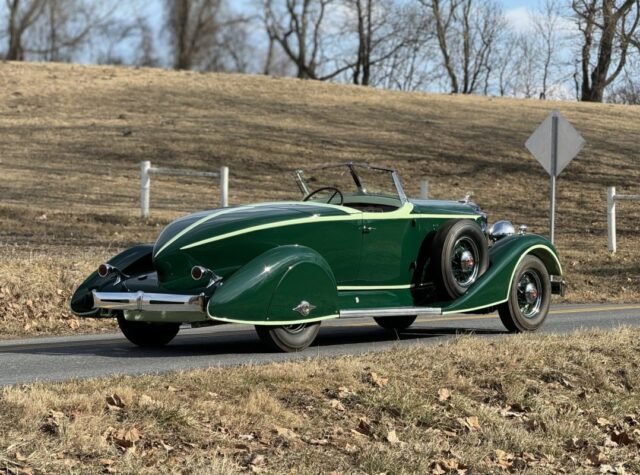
pixel 464 261
pixel 467 262
pixel 530 294
pixel 295 329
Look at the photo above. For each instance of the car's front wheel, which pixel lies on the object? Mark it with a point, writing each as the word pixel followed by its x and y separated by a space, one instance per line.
pixel 529 297
pixel 395 323
pixel 288 338
pixel 148 334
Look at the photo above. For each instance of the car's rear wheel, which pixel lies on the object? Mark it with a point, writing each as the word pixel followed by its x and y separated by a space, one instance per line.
pixel 288 338
pixel 529 297
pixel 396 323
pixel 460 255
pixel 147 334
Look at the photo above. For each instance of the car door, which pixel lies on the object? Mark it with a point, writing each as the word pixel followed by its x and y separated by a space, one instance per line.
pixel 389 249
pixel 340 244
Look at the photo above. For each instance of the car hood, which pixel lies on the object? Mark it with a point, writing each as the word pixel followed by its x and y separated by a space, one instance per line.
pixel 209 226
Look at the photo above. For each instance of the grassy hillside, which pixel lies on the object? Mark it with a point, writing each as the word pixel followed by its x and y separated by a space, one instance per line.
pixel 72 137
pixel 525 404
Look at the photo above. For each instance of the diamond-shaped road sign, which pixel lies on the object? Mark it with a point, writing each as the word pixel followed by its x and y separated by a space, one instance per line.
pixel 554 144
pixel 565 141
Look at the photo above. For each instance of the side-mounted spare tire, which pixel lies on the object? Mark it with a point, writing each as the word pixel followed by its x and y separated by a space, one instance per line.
pixel 460 256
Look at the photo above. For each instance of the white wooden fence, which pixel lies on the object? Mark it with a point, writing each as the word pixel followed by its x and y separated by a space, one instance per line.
pixel 424 189
pixel 612 197
pixel 146 170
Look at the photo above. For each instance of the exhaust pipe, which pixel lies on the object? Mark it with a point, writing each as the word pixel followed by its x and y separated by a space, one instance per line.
pixel 199 272
pixel 104 270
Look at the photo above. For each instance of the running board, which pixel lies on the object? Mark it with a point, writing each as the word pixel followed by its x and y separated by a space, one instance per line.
pixel 390 312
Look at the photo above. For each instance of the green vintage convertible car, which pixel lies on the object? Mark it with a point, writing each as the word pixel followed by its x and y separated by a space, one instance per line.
pixel 354 246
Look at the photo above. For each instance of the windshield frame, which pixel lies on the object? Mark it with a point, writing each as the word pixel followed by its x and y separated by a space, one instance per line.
pixel 302 184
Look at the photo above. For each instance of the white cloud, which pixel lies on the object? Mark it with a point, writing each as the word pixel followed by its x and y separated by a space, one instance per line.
pixel 520 19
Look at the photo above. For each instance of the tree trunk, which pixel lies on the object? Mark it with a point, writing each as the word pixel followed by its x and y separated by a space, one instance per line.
pixel 14 52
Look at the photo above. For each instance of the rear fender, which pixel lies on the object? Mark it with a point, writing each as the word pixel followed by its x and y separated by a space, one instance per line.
pixel 272 289
pixel 493 287
pixel 135 260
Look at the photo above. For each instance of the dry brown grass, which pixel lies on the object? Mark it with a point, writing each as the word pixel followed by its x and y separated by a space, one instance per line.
pixel 534 404
pixel 72 137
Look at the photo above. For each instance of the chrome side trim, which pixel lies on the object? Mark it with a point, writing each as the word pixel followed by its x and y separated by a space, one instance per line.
pixel 142 301
pixel 390 312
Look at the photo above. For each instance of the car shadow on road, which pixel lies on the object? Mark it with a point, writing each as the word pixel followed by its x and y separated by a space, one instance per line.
pixel 244 343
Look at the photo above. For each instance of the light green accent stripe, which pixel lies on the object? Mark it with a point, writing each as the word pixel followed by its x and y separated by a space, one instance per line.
pixel 401 213
pixel 513 274
pixel 269 323
pixel 248 207
pixel 465 310
pixel 345 209
pixel 375 287
pixel 279 224
pixel 195 225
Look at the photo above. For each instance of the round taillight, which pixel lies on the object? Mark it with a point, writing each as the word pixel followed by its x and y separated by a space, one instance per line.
pixel 197 272
pixel 104 270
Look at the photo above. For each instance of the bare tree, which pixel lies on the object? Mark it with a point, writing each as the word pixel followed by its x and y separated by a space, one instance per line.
pixel 65 26
pixel 411 62
pixel 193 28
pixel 200 33
pixel 22 14
pixel 297 27
pixel 365 20
pixel 547 21
pixel 627 89
pixel 53 30
pixel 504 64
pixel 382 29
pixel 608 29
pixel 467 31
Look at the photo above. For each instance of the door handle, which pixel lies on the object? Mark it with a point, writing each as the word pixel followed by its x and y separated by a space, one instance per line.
pixel 367 229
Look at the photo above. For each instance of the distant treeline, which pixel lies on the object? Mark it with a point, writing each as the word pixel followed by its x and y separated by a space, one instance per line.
pixel 588 50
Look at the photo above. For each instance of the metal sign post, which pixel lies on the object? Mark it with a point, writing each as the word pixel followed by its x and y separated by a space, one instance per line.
pixel 554 168
pixel 554 144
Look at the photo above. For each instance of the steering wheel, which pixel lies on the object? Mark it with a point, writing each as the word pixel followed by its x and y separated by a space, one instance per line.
pixel 324 188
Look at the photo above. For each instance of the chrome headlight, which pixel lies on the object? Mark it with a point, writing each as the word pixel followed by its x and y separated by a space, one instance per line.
pixel 501 229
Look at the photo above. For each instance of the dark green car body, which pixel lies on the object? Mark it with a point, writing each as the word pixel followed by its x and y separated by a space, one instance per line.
pixel 293 262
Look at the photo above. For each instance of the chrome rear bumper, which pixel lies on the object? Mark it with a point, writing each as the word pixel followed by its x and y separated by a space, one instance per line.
pixel 142 301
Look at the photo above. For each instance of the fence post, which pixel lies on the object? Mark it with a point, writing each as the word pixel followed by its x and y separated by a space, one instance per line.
pixel 611 218
pixel 224 187
pixel 424 189
pixel 145 185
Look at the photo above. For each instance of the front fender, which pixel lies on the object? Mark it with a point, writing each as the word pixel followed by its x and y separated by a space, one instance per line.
pixel 493 287
pixel 268 289
pixel 135 260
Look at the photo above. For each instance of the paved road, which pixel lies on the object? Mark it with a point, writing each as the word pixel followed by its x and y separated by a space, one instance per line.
pixel 55 359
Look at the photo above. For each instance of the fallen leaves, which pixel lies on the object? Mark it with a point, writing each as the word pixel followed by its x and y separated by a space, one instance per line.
pixel 392 438
pixel 115 402
pixel 444 394
pixel 53 422
pixel 337 405
pixel 376 380
pixel 124 439
pixel 471 423
pixel 448 464
pixel 285 432
pixel 364 427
